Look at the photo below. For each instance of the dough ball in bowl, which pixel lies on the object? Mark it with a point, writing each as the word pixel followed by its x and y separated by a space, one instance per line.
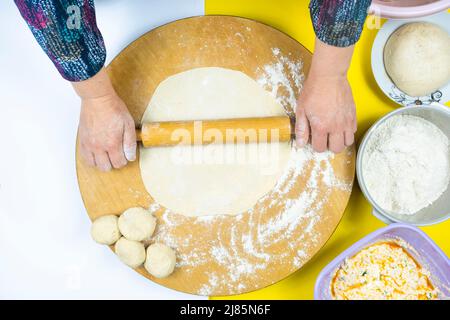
pixel 137 224
pixel 105 230
pixel 132 253
pixel 160 261
pixel 417 58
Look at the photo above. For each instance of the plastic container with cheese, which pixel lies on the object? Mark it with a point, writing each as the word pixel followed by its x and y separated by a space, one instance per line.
pixel 423 250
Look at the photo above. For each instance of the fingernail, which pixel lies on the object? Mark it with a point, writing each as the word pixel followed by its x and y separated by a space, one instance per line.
pixel 130 153
pixel 106 168
pixel 299 142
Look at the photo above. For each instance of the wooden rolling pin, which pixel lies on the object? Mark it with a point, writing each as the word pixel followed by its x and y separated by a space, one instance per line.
pixel 243 130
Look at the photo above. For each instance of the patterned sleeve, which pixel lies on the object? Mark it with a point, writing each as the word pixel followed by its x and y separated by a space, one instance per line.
pixel 339 22
pixel 67 32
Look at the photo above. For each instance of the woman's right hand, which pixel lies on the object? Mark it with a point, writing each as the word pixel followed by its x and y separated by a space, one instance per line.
pixel 107 136
pixel 106 133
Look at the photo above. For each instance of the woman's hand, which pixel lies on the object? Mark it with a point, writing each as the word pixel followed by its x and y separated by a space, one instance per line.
pixel 106 131
pixel 326 110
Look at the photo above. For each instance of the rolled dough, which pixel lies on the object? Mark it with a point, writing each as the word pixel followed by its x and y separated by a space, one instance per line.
pixel 214 179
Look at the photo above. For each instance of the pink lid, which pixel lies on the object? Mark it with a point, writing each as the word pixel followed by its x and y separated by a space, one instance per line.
pixel 405 9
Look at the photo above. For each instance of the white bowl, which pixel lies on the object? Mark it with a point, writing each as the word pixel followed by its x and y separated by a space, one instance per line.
pixel 442 95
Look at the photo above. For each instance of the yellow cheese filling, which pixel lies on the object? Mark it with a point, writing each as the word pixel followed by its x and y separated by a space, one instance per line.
pixel 382 271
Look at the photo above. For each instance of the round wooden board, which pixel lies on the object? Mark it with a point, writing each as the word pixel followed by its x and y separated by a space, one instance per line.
pixel 224 255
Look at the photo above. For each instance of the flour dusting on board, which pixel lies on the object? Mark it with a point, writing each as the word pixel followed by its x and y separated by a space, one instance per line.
pixel 283 75
pixel 250 241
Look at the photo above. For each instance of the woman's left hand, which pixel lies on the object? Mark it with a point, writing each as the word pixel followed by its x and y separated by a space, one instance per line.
pixel 326 114
pixel 326 110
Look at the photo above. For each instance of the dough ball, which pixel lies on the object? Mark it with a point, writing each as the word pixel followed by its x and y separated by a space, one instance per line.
pixel 132 253
pixel 137 224
pixel 105 230
pixel 417 58
pixel 160 261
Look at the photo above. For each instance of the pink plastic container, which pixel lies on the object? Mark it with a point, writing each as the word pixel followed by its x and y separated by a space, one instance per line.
pixel 429 255
pixel 406 9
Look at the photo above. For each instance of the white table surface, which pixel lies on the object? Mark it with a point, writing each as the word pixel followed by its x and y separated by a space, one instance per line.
pixel 45 248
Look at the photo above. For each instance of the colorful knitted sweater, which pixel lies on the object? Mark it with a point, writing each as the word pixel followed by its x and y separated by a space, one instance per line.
pixel 67 30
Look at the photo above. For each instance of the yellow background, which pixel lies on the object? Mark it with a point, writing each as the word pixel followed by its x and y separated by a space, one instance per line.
pixel 292 17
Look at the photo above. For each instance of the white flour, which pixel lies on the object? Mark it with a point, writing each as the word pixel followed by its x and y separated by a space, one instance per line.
pixel 243 254
pixel 276 78
pixel 406 164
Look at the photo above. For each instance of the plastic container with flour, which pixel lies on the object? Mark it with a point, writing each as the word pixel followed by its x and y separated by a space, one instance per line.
pixel 439 210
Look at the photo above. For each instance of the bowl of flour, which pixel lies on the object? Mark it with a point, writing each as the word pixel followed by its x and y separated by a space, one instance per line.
pixel 403 165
